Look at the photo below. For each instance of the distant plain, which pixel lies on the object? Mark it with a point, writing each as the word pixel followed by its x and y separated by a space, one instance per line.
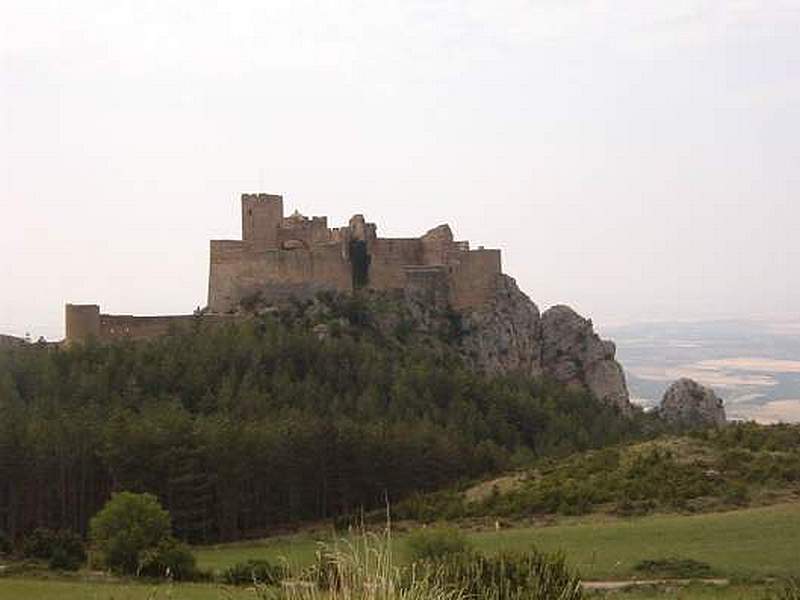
pixel 753 365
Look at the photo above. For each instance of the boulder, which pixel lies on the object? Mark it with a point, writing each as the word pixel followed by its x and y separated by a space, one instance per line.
pixel 688 403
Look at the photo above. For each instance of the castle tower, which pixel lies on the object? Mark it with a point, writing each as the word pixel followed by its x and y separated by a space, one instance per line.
pixel 262 215
pixel 82 322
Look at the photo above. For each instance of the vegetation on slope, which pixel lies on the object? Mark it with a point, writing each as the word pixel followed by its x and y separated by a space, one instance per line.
pixel 240 428
pixel 739 465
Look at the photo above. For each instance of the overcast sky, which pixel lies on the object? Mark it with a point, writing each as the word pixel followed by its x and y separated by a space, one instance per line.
pixel 636 160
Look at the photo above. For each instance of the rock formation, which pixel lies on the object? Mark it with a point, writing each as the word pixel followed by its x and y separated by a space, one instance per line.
pixel 575 355
pixel 505 335
pixel 509 335
pixel 688 403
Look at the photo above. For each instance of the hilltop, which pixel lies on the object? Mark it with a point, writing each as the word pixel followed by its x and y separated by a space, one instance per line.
pixel 434 281
pixel 312 410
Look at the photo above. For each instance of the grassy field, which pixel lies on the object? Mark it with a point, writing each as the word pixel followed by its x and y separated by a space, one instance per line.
pixel 758 542
pixel 746 544
pixel 690 592
pixel 30 589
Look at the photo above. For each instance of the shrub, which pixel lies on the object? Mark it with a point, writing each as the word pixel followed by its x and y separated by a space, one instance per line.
pixel 62 549
pixel 61 560
pixel 736 494
pixel 39 544
pixel 508 576
pixel 674 567
pixel 429 544
pixel 170 559
pixel 6 547
pixel 253 572
pixel 790 590
pixel 128 525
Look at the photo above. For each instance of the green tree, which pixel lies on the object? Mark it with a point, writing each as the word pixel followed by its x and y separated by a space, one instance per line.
pixel 128 526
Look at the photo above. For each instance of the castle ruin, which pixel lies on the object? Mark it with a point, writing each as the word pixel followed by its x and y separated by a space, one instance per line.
pixel 281 257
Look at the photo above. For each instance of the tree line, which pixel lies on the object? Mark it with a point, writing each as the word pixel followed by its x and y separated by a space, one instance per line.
pixel 237 429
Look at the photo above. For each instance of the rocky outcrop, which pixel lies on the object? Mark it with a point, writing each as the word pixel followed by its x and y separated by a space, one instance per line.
pixel 510 335
pixel 687 403
pixel 575 355
pixel 505 335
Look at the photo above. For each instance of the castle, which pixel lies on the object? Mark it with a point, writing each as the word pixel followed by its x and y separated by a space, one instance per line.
pixel 282 257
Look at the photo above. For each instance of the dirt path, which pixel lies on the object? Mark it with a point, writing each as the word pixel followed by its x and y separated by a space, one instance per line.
pixel 620 585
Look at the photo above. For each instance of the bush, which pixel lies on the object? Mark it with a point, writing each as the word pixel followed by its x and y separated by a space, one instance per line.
pixel 260 572
pixel 62 549
pixel 6 547
pixel 736 494
pixel 61 560
pixel 128 525
pixel 170 559
pixel 39 544
pixel 508 576
pixel 790 590
pixel 685 568
pixel 431 544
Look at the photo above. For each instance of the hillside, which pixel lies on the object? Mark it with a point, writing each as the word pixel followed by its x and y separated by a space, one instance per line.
pixel 739 466
pixel 312 411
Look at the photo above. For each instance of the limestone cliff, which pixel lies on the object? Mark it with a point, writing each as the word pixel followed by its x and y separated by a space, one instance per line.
pixel 510 335
pixel 688 403
pixel 506 334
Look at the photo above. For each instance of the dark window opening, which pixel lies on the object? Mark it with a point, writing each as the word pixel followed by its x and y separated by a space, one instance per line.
pixel 359 260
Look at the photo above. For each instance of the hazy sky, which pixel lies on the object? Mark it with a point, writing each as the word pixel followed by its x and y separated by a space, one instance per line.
pixel 637 160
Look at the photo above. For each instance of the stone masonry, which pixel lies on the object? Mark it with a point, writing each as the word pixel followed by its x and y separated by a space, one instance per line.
pixel 281 257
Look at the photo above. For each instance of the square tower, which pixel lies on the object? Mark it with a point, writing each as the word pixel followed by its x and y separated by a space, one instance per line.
pixel 262 215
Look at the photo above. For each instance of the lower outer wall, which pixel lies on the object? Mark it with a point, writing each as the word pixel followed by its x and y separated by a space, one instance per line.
pixel 120 327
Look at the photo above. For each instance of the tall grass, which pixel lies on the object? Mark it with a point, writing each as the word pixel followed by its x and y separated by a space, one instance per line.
pixel 363 568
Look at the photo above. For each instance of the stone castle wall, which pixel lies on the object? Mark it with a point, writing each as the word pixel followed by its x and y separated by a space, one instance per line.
pixel 279 257
pixel 239 272
pixel 85 321
pixel 282 257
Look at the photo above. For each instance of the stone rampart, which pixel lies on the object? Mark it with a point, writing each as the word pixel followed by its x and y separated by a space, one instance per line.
pixel 85 322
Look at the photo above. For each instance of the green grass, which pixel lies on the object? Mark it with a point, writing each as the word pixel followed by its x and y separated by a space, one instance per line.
pixel 752 543
pixel 296 550
pixel 758 542
pixel 25 589
pixel 690 592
